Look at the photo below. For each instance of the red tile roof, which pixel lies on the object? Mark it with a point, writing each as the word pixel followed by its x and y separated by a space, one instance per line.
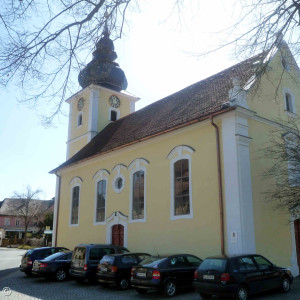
pixel 192 103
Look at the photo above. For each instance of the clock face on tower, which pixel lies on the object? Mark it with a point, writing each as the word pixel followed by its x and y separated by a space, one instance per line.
pixel 80 104
pixel 114 101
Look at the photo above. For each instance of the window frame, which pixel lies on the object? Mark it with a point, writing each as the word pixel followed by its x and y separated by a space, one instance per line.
pixel 75 182
pixel 102 174
pixel 136 166
pixel 117 111
pixel 179 153
pixel 291 112
pixel 79 117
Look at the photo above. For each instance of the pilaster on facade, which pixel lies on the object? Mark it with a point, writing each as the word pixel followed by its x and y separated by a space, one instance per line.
pixel 238 185
pixel 93 113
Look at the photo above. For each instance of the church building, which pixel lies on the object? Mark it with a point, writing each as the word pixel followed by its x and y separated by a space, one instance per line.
pixel 184 174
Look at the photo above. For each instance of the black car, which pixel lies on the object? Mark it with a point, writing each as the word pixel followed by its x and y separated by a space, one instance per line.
pixel 116 268
pixel 38 253
pixel 56 265
pixel 86 258
pixel 165 274
pixel 239 276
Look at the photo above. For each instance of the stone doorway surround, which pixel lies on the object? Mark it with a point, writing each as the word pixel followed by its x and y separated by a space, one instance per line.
pixel 116 218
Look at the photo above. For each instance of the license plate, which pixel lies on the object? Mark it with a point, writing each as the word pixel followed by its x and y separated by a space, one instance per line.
pixel 103 269
pixel 210 277
pixel 141 275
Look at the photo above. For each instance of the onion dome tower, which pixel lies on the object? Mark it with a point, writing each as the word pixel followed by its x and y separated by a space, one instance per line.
pixel 102 69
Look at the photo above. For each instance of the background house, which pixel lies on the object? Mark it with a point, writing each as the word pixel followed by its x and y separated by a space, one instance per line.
pixel 12 223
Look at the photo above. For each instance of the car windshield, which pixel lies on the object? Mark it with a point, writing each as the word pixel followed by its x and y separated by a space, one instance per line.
pixel 79 253
pixel 54 256
pixel 107 259
pixel 152 262
pixel 216 264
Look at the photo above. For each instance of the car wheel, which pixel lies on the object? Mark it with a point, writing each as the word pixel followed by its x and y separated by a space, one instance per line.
pixel 205 296
pixel 241 293
pixel 141 291
pixel 124 284
pixel 285 285
pixel 169 288
pixel 60 275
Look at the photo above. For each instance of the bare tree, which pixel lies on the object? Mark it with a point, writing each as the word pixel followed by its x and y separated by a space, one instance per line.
pixel 43 43
pixel 26 206
pixel 284 153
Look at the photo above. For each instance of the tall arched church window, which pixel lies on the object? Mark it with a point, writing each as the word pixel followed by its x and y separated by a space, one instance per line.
pixel 181 188
pixel 138 181
pixel 75 201
pixel 101 195
pixel 181 182
pixel 75 205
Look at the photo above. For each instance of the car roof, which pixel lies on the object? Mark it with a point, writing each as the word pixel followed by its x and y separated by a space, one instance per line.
pixel 43 248
pixel 128 253
pixel 230 256
pixel 100 245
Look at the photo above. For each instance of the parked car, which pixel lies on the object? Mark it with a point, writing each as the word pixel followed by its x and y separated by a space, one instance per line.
pixel 239 276
pixel 56 265
pixel 116 268
pixel 86 258
pixel 38 253
pixel 165 274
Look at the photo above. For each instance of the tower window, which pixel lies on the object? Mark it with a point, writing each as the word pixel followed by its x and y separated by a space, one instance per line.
pixel 79 120
pixel 113 115
pixel 288 102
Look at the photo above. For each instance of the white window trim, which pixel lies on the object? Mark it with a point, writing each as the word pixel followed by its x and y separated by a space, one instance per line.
pixel 113 109
pixel 76 181
pixel 178 153
pixel 77 119
pixel 288 112
pixel 135 166
pixel 100 175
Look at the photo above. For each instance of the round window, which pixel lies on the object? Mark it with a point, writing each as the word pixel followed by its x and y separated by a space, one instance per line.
pixel 119 183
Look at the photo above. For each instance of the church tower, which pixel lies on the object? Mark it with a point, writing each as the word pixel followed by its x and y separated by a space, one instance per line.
pixel 103 98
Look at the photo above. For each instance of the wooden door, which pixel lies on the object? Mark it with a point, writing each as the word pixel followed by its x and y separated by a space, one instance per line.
pixel 297 238
pixel 117 232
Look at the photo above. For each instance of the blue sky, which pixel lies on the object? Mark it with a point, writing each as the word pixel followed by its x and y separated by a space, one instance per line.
pixel 156 55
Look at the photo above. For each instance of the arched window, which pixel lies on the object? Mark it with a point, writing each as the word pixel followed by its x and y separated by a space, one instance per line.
pixel 138 194
pixel 181 182
pixel 75 205
pixel 288 102
pixel 79 120
pixel 101 201
pixel 181 188
pixel 113 115
pixel 138 182
pixel 75 200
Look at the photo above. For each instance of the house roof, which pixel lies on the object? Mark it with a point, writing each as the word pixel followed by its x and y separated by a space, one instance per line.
pixel 9 206
pixel 192 103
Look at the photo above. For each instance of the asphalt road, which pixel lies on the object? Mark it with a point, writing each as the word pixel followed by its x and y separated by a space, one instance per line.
pixel 15 285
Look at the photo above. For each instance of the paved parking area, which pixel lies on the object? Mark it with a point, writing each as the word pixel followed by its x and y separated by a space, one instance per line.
pixel 23 288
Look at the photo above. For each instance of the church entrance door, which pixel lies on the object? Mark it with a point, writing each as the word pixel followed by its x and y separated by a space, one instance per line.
pixel 117 235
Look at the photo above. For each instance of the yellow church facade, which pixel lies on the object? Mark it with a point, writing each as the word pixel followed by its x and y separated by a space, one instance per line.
pixel 182 175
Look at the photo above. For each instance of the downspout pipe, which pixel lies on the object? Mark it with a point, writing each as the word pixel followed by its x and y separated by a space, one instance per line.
pixel 57 208
pixel 219 185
